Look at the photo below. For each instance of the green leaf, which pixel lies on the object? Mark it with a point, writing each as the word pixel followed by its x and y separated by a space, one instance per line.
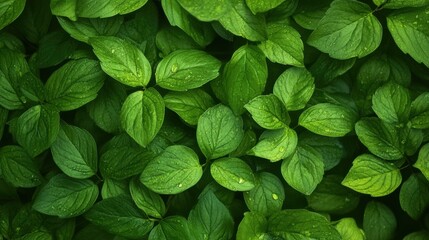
pixel 301 224
pixel 253 226
pixel 309 13
pixel 142 115
pixel 189 105
pixel 113 188
pixel 268 111
pixel 380 138
pixel 348 30
pixel 294 87
pixel 54 48
pixel 332 197
pixel 66 197
pixel 219 131
pixel 304 170
pixel 173 227
pixel 145 199
pixel 275 145
pixel 248 141
pixel 414 196
pixel 182 70
pixel 37 128
pixel 3 119
pixel 233 174
pixel 328 119
pixel 210 219
pixel 170 39
pixel 75 152
pixel 348 229
pixel 74 84
pixel 122 60
pixel 244 77
pixel 9 11
pixel 206 10
pixel 284 45
pixel 240 21
pixel 267 196
pixel 410 33
pixel 327 69
pixel 118 215
pixel 32 88
pixel 379 221
pixel 18 168
pixel 392 103
pixel 37 235
pixel 420 111
pixel 371 175
pixel 394 4
pixel 422 162
pixel 262 6
pixel 420 235
pixel 173 171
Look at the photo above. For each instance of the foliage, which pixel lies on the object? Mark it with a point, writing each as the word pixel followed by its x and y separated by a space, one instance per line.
pixel 214 119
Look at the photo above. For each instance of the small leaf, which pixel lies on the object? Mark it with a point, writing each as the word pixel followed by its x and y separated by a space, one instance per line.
pixel 233 174
pixel 422 162
pixel 348 229
pixel 420 111
pixel 145 199
pixel 253 226
pixel 275 145
pixel 182 70
pixel 326 69
pixel 379 221
pixel 66 197
pixel 294 87
pixel 172 227
pixel 414 196
pixel 142 115
pixel 304 170
pixel 268 111
pixel 173 171
pixel 219 131
pixel 328 119
pixel 371 175
pixel 75 152
pixel 348 29
pixel 119 216
pixel 392 103
pixel 9 11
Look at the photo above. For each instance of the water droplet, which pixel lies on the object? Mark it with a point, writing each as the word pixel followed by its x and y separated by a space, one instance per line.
pixel 180 185
pixel 113 51
pixel 241 180
pixel 275 196
pixel 174 68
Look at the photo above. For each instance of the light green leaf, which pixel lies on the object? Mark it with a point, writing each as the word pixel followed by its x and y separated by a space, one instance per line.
pixel 210 219
pixel 66 197
pixel 219 131
pixel 142 115
pixel 267 196
pixel 206 10
pixel 328 119
pixel 9 11
pixel 304 170
pixel 379 221
pixel 244 77
pixel 410 32
pixel 294 87
pixel 414 196
pixel 240 21
pixel 18 168
pixel 348 30
pixel 173 171
pixel 253 226
pixel 392 103
pixel 262 6
pixel 348 229
pixel 145 199
pixel 172 227
pixel 371 175
pixel 420 111
pixel 182 70
pixel 75 152
pixel 74 84
pixel 119 216
pixel 268 111
pixel 37 128
pixel 284 45
pixel 122 60
pixel 394 4
pixel 275 145
pixel 189 105
pixel 380 138
pixel 233 174
pixel 422 162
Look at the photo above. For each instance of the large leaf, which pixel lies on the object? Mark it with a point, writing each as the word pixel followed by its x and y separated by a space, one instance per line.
pixel 348 29
pixel 122 60
pixel 142 115
pixel 379 221
pixel 253 226
pixel 268 111
pixel 186 69
pixel 371 175
pixel 173 171
pixel 410 32
pixel 172 227
pixel 391 103
pixel 219 131
pixel 233 174
pixel 66 197
pixel 414 196
pixel 147 200
pixel 9 11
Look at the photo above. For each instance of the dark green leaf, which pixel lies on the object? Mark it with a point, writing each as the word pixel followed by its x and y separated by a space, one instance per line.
pixel 420 111
pixel 9 11
pixel 206 10
pixel 404 3
pixel 392 103
pixel 171 228
pixel 170 39
pixel 326 69
pixel 54 48
pixel 113 188
pixel 309 13
pixel 421 235
pixel 414 196
pixel 145 199
pixel 379 222
pixel 34 21
pixel 233 174
pixel 3 118
pixel 268 111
